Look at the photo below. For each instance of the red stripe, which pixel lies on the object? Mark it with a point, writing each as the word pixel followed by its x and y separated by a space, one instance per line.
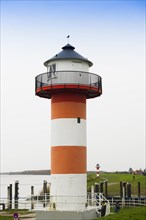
pixel 68 105
pixel 68 97
pixel 68 159
pixel 90 91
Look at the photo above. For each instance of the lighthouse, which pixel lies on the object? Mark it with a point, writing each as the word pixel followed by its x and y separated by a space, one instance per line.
pixel 68 83
pixel 97 168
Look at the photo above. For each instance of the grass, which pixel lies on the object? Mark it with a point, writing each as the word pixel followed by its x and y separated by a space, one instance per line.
pixel 6 218
pixel 114 180
pixel 138 213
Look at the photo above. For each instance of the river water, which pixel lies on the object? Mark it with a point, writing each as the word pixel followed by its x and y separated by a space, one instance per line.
pixel 25 183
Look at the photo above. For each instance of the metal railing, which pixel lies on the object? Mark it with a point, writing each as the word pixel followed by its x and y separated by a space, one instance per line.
pixel 127 202
pixel 68 77
pixel 44 202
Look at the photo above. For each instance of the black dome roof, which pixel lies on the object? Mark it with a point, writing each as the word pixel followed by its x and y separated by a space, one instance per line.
pixel 68 53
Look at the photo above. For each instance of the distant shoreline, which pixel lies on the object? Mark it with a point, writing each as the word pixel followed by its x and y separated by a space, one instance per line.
pixel 28 172
pixel 32 172
pixel 47 172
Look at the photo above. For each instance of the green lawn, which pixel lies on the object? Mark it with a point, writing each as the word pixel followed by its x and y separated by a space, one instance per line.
pixel 114 180
pixel 6 218
pixel 138 213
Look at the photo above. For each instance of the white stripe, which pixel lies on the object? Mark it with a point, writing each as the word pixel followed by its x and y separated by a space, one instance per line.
pixel 69 191
pixel 68 132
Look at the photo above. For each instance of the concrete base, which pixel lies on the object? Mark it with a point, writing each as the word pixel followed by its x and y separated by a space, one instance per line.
pixel 66 215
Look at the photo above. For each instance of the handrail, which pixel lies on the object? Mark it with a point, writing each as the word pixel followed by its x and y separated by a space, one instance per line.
pixel 69 71
pixel 68 77
pixel 39 201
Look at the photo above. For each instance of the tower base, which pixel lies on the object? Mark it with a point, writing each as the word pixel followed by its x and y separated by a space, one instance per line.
pixel 88 214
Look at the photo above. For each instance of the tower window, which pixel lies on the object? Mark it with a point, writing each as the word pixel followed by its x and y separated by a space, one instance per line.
pixel 51 69
pixel 78 120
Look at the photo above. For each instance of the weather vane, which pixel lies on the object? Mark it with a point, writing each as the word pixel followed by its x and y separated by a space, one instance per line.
pixel 68 38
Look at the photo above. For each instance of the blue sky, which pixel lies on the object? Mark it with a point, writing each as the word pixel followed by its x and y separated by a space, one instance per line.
pixel 109 33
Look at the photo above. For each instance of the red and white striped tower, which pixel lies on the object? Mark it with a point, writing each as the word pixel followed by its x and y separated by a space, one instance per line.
pixel 68 84
pixel 97 168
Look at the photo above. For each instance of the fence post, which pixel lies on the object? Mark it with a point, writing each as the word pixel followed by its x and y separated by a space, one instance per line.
pixel 124 194
pixel 44 192
pixel 129 191
pixel 32 197
pixel 16 194
pixel 124 190
pixel 101 187
pixel 138 190
pixel 106 189
pixel 10 196
pixel 121 189
pixel 96 187
pixel 92 195
pixel 112 202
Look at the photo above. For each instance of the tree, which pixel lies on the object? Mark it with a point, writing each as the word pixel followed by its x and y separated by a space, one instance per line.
pixel 130 170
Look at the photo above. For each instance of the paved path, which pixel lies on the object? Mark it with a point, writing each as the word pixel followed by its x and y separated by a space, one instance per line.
pixel 27 217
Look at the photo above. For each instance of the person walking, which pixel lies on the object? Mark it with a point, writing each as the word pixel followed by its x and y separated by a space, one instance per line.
pixel 103 209
pixel 117 207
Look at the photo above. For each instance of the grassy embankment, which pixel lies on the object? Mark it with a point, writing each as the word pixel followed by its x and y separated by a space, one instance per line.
pixel 114 180
pixel 137 213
